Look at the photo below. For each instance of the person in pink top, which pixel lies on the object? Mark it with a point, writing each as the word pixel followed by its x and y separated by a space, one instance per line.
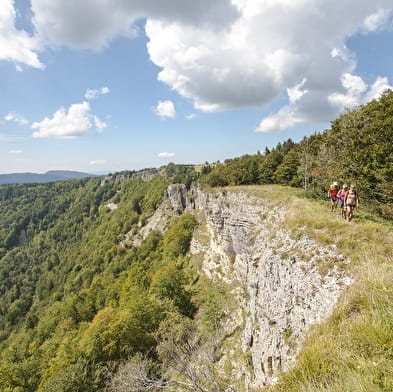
pixel 341 198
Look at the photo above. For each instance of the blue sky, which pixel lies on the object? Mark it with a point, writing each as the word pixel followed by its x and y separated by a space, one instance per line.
pixel 101 85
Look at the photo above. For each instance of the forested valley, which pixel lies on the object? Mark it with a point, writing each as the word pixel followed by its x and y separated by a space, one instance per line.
pixel 76 303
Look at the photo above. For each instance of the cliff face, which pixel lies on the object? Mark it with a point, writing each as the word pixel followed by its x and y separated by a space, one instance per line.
pixel 282 280
pixel 145 175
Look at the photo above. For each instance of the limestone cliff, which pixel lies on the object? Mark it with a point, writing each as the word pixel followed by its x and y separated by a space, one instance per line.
pixel 282 280
pixel 284 290
pixel 145 175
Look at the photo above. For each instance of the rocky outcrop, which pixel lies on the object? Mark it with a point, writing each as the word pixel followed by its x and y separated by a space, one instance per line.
pixel 175 201
pixel 285 283
pixel 282 280
pixel 111 206
pixel 145 175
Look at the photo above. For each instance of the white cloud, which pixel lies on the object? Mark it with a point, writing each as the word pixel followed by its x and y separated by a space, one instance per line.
pixel 283 119
pixel 357 92
pixel 227 54
pixel 15 151
pixel 296 46
pixel 97 162
pixel 295 93
pixel 377 20
pixel 190 116
pixel 100 125
pixel 76 121
pixel 93 24
pixel 17 45
pixel 166 154
pixel 92 93
pixel 165 109
pixel 376 89
pixel 16 118
pixel 354 87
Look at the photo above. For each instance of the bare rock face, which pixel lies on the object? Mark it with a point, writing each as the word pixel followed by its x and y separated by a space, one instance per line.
pixel 175 202
pixel 177 196
pixel 145 175
pixel 284 290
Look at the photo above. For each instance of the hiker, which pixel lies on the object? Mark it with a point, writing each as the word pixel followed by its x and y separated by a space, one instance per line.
pixel 351 201
pixel 332 195
pixel 341 199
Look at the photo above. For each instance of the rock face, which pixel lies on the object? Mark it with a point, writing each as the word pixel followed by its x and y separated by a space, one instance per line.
pixel 174 203
pixel 145 175
pixel 286 284
pixel 283 281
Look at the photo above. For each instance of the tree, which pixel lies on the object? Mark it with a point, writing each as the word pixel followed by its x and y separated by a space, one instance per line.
pixel 287 172
pixel 268 166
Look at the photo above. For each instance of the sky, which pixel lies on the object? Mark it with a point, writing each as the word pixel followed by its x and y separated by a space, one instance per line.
pixel 108 85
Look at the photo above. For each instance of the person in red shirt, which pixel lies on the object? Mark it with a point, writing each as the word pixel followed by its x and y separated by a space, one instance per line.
pixel 332 195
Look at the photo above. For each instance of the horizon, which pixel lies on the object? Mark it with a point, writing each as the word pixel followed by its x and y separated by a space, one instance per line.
pixel 127 87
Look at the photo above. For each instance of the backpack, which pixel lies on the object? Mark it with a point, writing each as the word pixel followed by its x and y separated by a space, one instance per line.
pixel 341 195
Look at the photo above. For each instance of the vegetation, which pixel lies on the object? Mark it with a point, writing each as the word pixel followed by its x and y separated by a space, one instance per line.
pixel 73 301
pixel 357 149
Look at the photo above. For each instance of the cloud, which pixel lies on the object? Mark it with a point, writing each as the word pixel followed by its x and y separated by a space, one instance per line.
pixel 376 89
pixel 357 92
pixel 227 54
pixel 97 162
pixel 100 125
pixel 377 20
pixel 283 119
pixel 17 45
pixel 92 93
pixel 166 154
pixel 76 121
pixel 15 152
pixel 190 116
pixel 94 24
pixel 295 93
pixel 274 47
pixel 165 109
pixel 16 118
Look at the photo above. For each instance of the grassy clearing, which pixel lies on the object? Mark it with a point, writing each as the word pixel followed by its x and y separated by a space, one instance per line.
pixel 353 350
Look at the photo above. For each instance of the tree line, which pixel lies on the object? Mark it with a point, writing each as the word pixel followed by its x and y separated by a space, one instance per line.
pixel 356 149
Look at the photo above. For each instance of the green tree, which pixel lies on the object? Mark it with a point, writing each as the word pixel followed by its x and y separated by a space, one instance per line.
pixel 269 165
pixel 287 173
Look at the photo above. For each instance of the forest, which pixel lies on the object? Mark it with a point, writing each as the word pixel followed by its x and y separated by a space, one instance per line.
pixel 75 304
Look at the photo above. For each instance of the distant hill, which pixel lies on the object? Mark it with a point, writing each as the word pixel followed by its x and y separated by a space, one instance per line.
pixel 51 175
